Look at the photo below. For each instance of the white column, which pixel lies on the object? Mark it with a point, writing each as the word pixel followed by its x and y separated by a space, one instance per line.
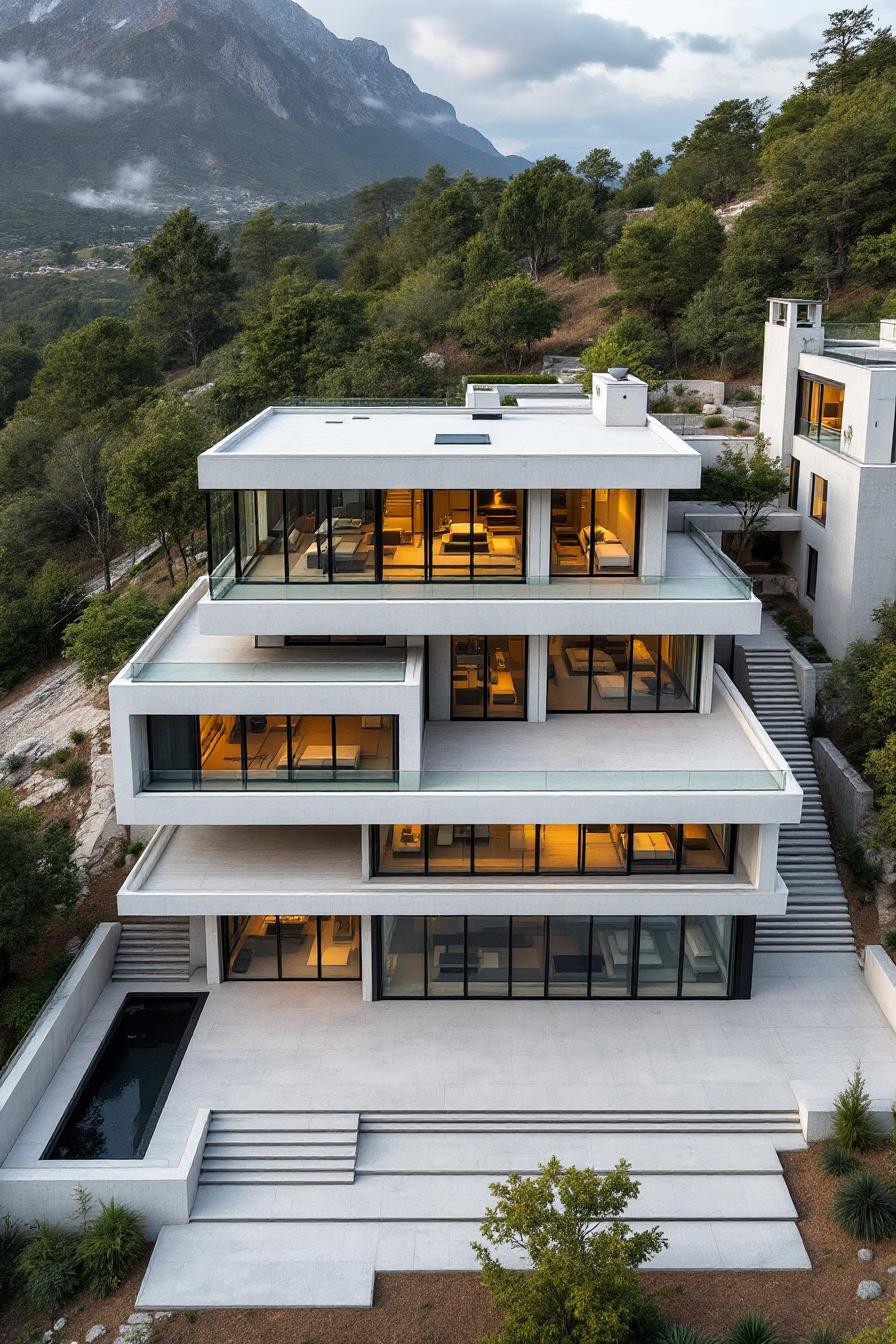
pixel 367 958
pixel 440 676
pixel 197 943
pixel 654 508
pixel 707 665
pixel 212 950
pixel 536 690
pixel 538 538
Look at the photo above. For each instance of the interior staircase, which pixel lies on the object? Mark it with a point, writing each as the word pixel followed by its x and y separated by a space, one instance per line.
pixel 817 918
pixel 157 949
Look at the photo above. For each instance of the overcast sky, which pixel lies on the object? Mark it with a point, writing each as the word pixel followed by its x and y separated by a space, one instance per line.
pixel 552 76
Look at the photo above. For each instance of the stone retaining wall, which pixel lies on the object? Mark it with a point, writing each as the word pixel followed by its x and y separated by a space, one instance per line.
pixel 850 797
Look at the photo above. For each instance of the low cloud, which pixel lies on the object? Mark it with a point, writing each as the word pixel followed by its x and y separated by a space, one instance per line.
pixel 704 42
pixel 29 86
pixel 131 190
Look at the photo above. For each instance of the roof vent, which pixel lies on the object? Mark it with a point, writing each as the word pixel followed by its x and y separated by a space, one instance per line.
pixel 618 372
pixel 482 397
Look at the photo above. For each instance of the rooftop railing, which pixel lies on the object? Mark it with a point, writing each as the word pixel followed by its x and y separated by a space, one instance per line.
pixel 360 780
pixel 388 665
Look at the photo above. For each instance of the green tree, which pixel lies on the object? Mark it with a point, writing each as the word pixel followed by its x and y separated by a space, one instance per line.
pixel 860 687
pixel 837 177
pixel 750 482
pixel 661 261
pixel 880 765
pixel 633 343
pixel 18 365
pixel 266 239
pixel 297 341
pixel 846 37
pixel 153 488
pixel 641 180
pixel 511 315
pixel 77 484
pixel 389 364
pixel 37 876
pixel 24 446
pixel 583 1287
pixel 424 304
pixel 33 614
pixel 189 284
pixel 109 631
pixel 485 260
pixel 533 208
pixel 601 171
pixel 719 159
pixel 98 374
pixel 873 258
pixel 722 325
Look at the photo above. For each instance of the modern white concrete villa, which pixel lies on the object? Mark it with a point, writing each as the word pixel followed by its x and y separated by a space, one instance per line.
pixel 461 846
pixel 829 408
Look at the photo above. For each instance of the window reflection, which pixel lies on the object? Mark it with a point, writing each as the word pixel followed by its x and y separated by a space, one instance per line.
pixel 292 947
pixel 623 673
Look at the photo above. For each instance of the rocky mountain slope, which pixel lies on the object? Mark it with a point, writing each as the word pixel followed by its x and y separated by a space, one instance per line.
pixel 134 104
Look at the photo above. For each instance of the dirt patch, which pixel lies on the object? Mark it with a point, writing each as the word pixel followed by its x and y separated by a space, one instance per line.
pixel 582 320
pixel 455 1309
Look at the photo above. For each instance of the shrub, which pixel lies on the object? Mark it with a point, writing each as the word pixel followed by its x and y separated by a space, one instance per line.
pixel 835 1160
pixel 889 941
pixel 111 1247
pixel 684 1334
pixel 12 1243
pixel 853 1125
pixel 739 426
pixel 713 421
pixel 754 1328
pixel 864 867
pixel 61 756
pixel 744 394
pixel 823 1334
pixel 49 1268
pixel 135 848
pixel 76 736
pixel 509 378
pixel 22 1003
pixel 865 1207
pixel 12 762
pixel 75 772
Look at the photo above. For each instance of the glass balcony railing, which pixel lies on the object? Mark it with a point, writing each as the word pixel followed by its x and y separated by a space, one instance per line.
pixel 389 665
pixel 467 781
pixel 719 580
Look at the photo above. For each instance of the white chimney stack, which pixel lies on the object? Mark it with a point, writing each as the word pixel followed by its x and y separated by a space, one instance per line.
pixel 483 397
pixel 619 398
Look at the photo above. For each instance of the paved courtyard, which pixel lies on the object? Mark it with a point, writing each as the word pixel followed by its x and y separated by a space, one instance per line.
pixel 319 1046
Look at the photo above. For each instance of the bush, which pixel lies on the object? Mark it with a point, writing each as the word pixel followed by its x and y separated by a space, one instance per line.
pixel 684 1334
pixel 469 378
pixel 853 1125
pixel 835 1160
pixel 61 756
pixel 75 772
pixel 76 736
pixel 889 941
pixel 49 1267
pixel 12 1243
pixel 111 1247
pixel 740 426
pixel 864 867
pixel 744 394
pixel 713 421
pixel 109 631
pixel 865 1207
pixel 22 1003
pixel 754 1328
pixel 135 848
pixel 823 1334
pixel 12 762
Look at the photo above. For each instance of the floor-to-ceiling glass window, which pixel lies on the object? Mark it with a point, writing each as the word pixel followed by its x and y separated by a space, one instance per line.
pixel 594 532
pixel 249 751
pixel 292 947
pixel 555 956
pixel 352 535
pixel 488 677
pixel 623 673
pixel 404 535
pixel 611 849
pixel 819 413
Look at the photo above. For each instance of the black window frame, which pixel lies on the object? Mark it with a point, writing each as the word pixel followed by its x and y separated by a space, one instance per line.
pixel 537 870
pixel 485 715
pixel 733 988
pixel 812 429
pixel 793 490
pixel 626 707
pixel 224 933
pixel 592 572
pixel 811 572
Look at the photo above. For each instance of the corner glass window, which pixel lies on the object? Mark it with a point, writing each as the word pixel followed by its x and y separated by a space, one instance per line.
pixel 818 500
pixel 820 411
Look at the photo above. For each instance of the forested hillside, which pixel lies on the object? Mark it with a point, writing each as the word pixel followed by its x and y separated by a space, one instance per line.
pixel 436 277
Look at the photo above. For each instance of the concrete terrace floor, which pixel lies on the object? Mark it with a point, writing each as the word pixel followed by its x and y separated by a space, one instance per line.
pixel 319 1046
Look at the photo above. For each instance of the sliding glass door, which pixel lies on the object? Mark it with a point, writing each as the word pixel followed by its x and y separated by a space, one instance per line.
pixel 488 676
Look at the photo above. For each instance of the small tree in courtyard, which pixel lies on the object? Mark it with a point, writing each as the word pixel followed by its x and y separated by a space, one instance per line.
pixel 582 1286
pixel 750 483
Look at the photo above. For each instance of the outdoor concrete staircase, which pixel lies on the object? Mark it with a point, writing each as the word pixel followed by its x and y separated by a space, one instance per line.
pixel 280 1148
pixel 158 949
pixel 817 918
pixel 276 1235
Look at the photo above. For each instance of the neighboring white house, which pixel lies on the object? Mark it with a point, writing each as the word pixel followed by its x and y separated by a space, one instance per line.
pixel 829 409
pixel 445 720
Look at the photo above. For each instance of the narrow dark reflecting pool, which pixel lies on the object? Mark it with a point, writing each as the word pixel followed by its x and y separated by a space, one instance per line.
pixel 117 1106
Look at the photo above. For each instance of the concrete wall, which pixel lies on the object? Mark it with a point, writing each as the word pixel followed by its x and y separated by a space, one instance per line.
pixel 851 798
pixel 159 1194
pixel 703 389
pixel 29 1071
pixel 880 977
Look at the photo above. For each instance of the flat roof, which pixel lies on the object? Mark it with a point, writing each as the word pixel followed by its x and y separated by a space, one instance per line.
pixel 528 446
